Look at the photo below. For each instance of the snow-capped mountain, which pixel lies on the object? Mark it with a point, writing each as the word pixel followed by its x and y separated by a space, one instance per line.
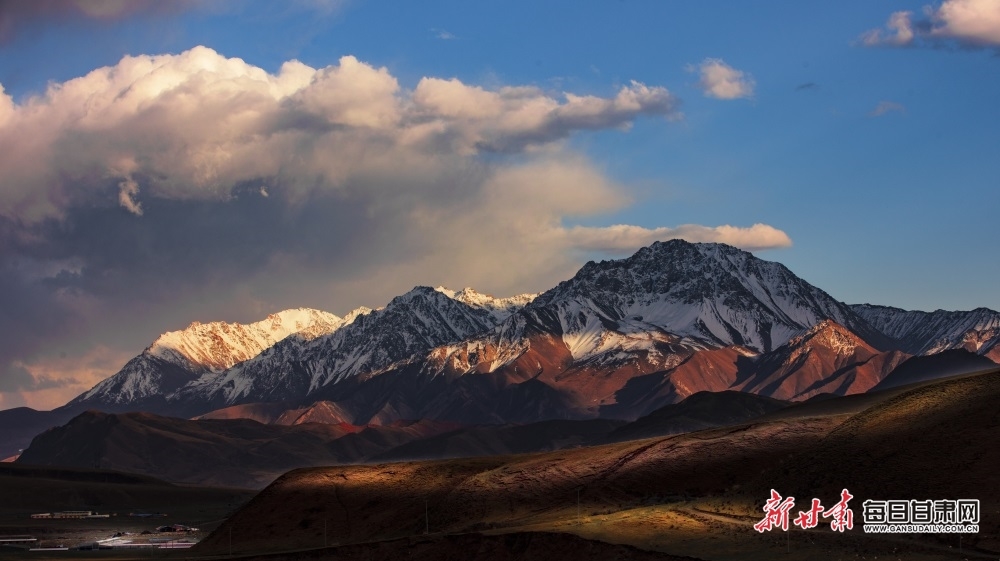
pixel 179 357
pixel 581 343
pixel 710 294
pixel 617 339
pixel 499 308
pixel 365 342
pixel 651 311
pixel 922 333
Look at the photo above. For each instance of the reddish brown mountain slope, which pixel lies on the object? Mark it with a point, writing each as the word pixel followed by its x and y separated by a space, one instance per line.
pixel 826 359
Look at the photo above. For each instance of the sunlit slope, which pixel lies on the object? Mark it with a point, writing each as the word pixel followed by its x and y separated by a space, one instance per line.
pixel 377 502
pixel 934 441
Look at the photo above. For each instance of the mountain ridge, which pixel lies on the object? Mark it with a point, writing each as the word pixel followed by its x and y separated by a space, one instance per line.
pixel 919 332
pixel 669 311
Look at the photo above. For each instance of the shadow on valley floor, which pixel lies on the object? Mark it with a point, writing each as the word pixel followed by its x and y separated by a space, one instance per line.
pixel 521 546
pixel 27 490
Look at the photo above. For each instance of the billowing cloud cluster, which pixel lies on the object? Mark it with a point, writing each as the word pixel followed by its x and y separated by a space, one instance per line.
pixel 165 189
pixel 193 125
pixel 970 23
pixel 721 81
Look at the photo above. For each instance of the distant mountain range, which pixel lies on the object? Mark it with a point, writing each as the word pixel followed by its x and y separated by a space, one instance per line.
pixel 619 340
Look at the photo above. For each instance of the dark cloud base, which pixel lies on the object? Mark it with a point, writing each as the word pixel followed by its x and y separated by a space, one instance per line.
pixel 19 16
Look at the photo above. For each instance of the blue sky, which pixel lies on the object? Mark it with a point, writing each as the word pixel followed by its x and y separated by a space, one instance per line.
pixel 864 142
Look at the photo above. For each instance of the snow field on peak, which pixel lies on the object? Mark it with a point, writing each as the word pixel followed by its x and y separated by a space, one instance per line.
pixel 499 308
pixel 219 345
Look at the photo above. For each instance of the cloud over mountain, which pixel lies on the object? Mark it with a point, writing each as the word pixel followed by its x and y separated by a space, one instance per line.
pixel 172 187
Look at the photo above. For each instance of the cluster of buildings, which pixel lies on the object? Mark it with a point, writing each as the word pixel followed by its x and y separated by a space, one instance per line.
pixel 121 540
pixel 71 514
pixel 125 542
pixel 176 528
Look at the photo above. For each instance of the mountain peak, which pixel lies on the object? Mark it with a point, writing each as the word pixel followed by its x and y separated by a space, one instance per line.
pixel 355 313
pixel 832 335
pixel 414 293
pixel 713 293
pixel 499 308
pixel 219 345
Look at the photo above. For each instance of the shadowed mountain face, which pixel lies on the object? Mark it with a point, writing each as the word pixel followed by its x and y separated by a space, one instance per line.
pixel 245 453
pixel 241 452
pixel 28 488
pixel 238 452
pixel 700 411
pixel 498 441
pixel 923 368
pixel 19 425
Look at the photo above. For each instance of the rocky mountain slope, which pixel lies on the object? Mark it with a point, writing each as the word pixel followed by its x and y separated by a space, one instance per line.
pixel 923 333
pixel 177 358
pixel 713 295
pixel 368 341
pixel 827 359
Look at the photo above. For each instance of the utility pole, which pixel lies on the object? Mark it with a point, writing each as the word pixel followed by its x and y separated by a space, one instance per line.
pixel 324 532
pixel 427 518
pixel 230 541
pixel 578 504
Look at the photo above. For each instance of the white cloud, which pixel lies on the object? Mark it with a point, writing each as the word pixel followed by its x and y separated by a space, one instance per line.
pixel 884 107
pixel 721 81
pixel 624 238
pixel 973 21
pixel 197 123
pixel 127 190
pixel 472 119
pixel 967 22
pixel 898 31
